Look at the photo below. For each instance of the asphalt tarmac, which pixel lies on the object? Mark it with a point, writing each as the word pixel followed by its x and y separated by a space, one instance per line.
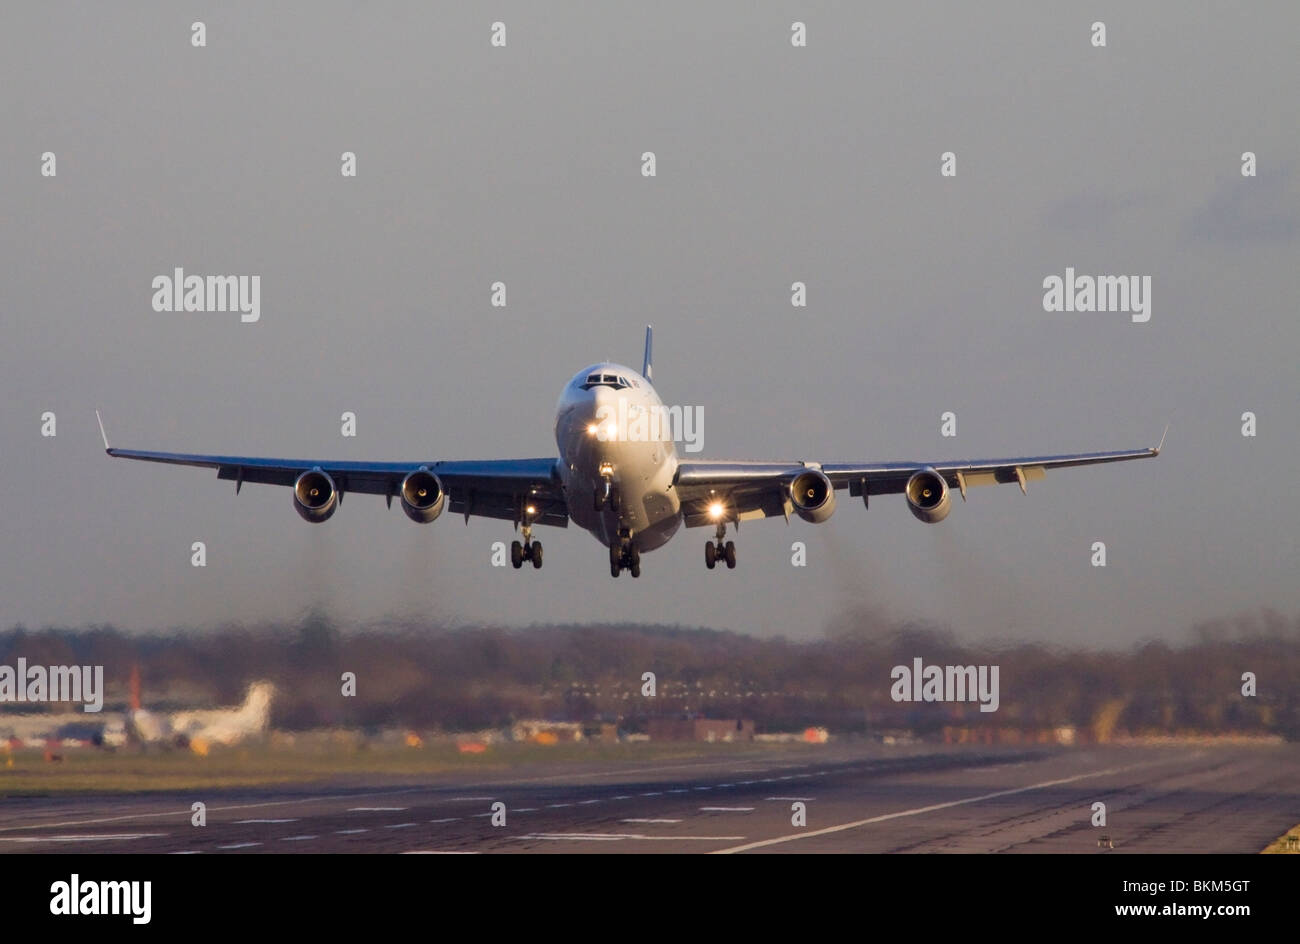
pixel 855 798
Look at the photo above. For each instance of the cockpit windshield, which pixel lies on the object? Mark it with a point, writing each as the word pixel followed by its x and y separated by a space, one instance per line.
pixel 605 380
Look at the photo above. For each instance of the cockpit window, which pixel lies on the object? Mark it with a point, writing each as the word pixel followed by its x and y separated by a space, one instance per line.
pixel 605 380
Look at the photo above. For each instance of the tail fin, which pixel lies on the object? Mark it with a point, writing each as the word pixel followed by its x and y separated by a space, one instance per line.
pixel 646 367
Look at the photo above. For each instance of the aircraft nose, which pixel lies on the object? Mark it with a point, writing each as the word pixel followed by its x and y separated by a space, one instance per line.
pixel 600 406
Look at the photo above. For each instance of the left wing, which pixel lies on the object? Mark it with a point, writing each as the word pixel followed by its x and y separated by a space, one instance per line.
pixel 762 489
pixel 488 488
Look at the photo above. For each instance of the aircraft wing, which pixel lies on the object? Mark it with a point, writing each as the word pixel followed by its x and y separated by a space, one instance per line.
pixel 762 489
pixel 488 488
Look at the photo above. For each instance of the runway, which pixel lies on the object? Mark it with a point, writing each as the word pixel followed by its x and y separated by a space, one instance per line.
pixel 856 798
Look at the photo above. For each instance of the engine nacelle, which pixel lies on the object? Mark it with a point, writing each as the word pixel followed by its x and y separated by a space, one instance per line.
pixel 927 496
pixel 314 495
pixel 813 496
pixel 422 496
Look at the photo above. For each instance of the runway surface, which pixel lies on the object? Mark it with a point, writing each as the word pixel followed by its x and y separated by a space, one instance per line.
pixel 858 798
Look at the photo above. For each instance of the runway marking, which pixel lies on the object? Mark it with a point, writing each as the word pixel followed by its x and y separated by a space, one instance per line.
pixel 625 796
pixel 103 837
pixel 649 821
pixel 798 799
pixel 440 852
pixel 475 799
pixel 297 838
pixel 448 819
pixel 726 809
pixel 925 809
pixel 480 814
pixel 349 832
pixel 187 852
pixel 617 837
pixel 245 822
pixel 517 809
pixel 557 806
pixel 212 809
pixel 399 826
pixel 378 809
pixel 576 837
pixel 703 788
pixel 588 802
pixel 653 793
pixel 240 845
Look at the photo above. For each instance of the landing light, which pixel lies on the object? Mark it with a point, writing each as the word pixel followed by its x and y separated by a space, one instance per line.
pixel 591 429
pixel 716 510
pixel 531 510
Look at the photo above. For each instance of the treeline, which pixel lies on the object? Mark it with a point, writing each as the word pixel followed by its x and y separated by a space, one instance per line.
pixel 434 677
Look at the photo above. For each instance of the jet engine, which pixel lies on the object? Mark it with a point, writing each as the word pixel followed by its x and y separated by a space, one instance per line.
pixel 812 495
pixel 927 496
pixel 314 495
pixel 422 496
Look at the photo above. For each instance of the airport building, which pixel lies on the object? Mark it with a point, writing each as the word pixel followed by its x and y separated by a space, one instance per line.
pixel 699 729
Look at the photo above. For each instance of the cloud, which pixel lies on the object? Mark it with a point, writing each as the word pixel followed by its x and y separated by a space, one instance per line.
pixel 1249 210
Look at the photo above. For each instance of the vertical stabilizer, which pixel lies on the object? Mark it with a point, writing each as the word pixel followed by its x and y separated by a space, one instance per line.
pixel 646 368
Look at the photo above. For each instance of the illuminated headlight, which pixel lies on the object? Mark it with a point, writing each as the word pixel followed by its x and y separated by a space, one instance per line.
pixel 717 510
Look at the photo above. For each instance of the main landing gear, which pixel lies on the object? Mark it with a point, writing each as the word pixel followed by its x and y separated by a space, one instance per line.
pixel 716 552
pixel 624 555
pixel 530 550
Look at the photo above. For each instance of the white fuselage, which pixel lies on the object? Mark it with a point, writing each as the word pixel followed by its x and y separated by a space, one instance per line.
pixel 613 431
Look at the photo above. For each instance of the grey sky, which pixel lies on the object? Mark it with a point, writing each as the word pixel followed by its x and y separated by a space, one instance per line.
pixel 775 164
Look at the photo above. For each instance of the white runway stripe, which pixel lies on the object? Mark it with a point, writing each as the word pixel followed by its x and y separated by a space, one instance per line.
pixel 88 837
pixel 649 821
pixel 245 822
pixel 926 809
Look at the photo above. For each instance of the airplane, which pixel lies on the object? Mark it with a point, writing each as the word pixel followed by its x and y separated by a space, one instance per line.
pixel 224 726
pixel 632 492
pixel 141 726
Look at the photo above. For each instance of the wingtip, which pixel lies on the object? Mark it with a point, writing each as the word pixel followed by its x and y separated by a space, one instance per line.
pixel 103 435
pixel 1156 450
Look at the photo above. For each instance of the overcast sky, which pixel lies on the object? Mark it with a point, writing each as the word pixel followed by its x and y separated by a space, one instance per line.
pixel 774 164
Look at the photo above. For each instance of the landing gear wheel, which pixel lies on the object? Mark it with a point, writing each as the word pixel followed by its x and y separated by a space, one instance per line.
pixel 710 555
pixel 634 560
pixel 615 560
pixel 635 569
pixel 516 554
pixel 730 553
pixel 535 554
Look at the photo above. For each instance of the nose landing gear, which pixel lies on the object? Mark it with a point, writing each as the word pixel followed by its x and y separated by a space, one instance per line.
pixel 624 555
